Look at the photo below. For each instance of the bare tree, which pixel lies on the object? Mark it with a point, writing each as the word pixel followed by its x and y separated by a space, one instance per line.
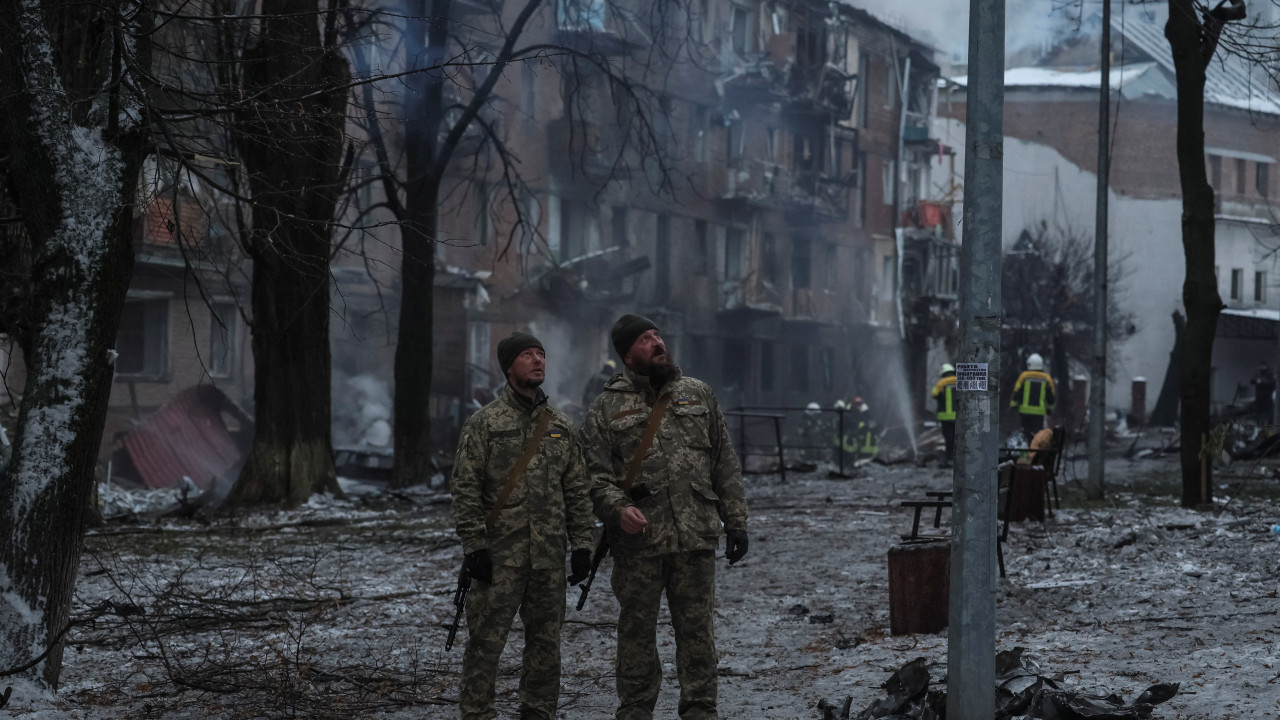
pixel 290 134
pixel 1049 292
pixel 1193 32
pixel 73 140
pixel 442 110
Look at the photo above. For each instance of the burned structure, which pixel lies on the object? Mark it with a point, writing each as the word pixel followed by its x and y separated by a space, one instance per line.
pixel 789 234
pixel 802 205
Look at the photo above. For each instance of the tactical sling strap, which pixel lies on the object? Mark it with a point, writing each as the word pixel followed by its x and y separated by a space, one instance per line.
pixel 517 472
pixel 655 420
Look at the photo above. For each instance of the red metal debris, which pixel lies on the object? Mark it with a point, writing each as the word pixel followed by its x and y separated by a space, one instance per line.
pixel 185 437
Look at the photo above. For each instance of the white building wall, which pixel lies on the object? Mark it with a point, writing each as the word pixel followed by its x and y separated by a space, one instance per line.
pixel 1145 235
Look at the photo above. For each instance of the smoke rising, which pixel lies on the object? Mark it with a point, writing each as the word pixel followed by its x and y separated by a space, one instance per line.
pixel 945 23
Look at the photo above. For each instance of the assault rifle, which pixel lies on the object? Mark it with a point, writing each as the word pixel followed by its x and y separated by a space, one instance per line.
pixel 602 549
pixel 460 602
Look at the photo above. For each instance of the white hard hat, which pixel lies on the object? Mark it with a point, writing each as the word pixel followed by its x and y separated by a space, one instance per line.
pixel 812 408
pixel 1035 362
pixel 841 405
pixel 947 368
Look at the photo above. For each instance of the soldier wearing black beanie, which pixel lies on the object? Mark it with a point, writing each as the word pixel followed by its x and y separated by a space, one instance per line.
pixel 626 330
pixel 510 347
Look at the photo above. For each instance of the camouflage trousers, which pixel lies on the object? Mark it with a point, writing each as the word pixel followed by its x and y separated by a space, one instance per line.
pixel 491 607
pixel 689 579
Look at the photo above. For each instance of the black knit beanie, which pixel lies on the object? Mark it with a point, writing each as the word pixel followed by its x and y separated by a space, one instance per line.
pixel 510 347
pixel 626 330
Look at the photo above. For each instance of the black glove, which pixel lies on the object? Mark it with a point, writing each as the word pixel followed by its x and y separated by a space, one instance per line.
pixel 735 546
pixel 579 565
pixel 479 566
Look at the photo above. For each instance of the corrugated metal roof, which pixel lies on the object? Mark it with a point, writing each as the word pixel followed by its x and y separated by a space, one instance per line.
pixel 185 437
pixel 1228 79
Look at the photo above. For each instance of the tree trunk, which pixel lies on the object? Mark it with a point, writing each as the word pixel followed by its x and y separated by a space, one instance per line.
pixel 291 139
pixel 424 121
pixel 74 187
pixel 1200 287
pixel 1166 410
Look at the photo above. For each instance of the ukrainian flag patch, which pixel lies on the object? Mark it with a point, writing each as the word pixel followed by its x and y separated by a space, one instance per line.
pixel 555 434
pixel 682 401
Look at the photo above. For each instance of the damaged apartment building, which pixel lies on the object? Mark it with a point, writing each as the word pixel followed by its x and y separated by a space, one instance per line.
pixel 802 210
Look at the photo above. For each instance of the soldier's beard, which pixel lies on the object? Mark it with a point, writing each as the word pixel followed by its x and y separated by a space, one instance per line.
pixel 659 373
pixel 529 384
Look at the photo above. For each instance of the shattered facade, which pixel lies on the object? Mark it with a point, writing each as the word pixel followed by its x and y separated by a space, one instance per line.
pixel 774 273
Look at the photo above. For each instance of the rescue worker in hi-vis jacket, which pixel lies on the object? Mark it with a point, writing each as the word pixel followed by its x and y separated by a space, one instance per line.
pixel 517 504
pixel 1033 395
pixel 667 484
pixel 944 394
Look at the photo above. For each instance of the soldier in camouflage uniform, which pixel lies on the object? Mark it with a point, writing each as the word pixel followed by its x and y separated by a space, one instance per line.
pixel 517 561
pixel 665 529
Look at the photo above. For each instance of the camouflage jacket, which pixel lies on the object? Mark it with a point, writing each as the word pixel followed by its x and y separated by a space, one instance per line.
pixel 691 471
pixel 549 507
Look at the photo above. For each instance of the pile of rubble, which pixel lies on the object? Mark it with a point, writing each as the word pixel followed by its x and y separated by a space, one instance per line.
pixel 1023 692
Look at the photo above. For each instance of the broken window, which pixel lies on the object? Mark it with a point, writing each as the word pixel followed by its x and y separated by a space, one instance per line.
pixel 143 339
pixel 1260 286
pixel 222 339
pixel 741 31
pixel 618 227
pixel 827 357
pixel 801 263
pixel 800 368
pixel 860 191
pixel 579 230
pixel 887 172
pixel 766 366
pixel 478 355
pixel 890 84
pixel 860 112
pixel 701 253
pixel 769 259
pixel 1237 283
pixel 662 260
pixel 888 277
pixel 734 240
pixel 698 134
pixel 735 139
pixel 733 364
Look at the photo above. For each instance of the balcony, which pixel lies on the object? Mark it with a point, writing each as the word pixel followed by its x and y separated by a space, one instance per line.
pixel 821 90
pixel 753 80
pixel 914 134
pixel 749 298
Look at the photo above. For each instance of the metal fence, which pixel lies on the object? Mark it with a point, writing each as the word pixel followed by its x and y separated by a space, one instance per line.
pixel 793 436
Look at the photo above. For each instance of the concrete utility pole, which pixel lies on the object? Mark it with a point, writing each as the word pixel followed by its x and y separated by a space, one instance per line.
pixel 971 649
pixel 1098 381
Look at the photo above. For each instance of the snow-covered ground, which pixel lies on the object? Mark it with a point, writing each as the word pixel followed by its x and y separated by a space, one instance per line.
pixel 338 609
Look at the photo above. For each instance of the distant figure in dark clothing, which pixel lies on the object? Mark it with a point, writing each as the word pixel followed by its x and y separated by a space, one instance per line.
pixel 595 385
pixel 1264 388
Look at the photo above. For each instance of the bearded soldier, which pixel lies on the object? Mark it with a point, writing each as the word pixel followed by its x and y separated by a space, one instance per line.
pixel 520 495
pixel 666 482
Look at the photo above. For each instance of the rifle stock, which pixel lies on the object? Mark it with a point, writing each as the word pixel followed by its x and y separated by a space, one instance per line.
pixel 602 549
pixel 459 602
